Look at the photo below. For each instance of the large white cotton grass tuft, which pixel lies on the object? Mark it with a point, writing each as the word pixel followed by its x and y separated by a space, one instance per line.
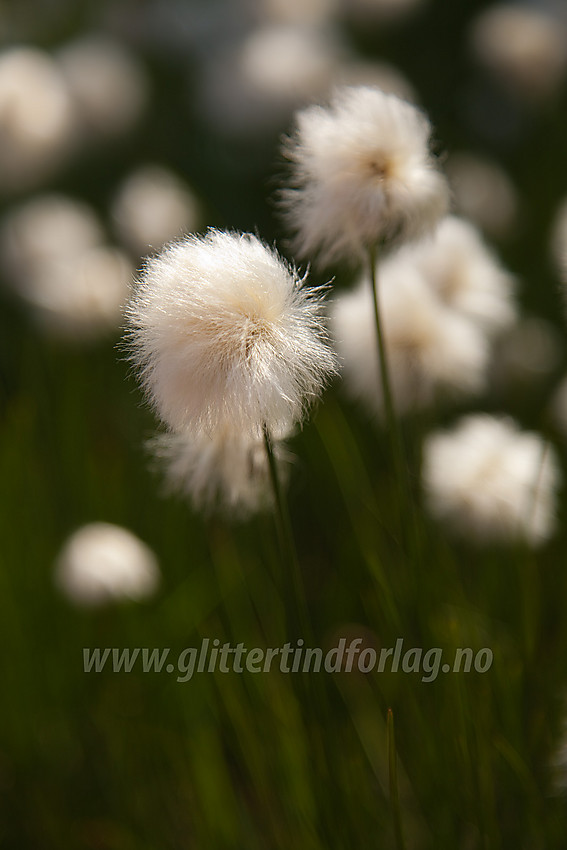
pixel 37 118
pixel 152 207
pixel 465 274
pixel 361 174
pixel 491 482
pixel 432 350
pixel 223 331
pixel 102 563
pixel 225 470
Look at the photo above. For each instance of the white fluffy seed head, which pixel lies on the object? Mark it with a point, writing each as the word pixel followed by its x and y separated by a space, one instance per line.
pixel 152 207
pixel 361 174
pixel 37 120
pixel 101 563
pixel 465 275
pixel 432 350
pixel 48 231
pixel 107 83
pixel 53 252
pixel 225 470
pixel 222 331
pixel 524 49
pixel 491 482
pixel 253 88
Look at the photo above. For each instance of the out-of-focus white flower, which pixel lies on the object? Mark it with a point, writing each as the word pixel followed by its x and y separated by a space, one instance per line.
pixel 37 120
pixel 48 231
pixel 465 275
pixel 102 563
pixel 53 252
pixel 524 48
pixel 152 207
pixel 483 193
pixel 223 332
pixel 559 241
pixel 361 174
pixel 374 12
pixel 225 469
pixel 431 349
pixel 83 298
pixel 491 481
pixel 254 87
pixel 107 83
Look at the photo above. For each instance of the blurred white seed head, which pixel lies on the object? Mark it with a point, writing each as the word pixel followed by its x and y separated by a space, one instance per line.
pixel 53 253
pixel 491 482
pixel 152 207
pixel 524 48
pixel 224 469
pixel 37 120
pixel 102 563
pixel 46 232
pixel 254 87
pixel 223 331
pixel 361 174
pixel 432 350
pixel 483 193
pixel 84 298
pixel 108 85
pixel 465 275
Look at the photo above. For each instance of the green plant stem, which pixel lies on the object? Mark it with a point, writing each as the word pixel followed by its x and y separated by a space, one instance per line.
pixel 406 506
pixel 393 782
pixel 292 584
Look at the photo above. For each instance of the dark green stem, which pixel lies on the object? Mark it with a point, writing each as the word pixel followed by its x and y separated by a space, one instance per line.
pixel 296 607
pixel 406 506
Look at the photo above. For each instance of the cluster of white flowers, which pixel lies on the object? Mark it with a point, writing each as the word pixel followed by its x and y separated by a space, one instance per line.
pixel 442 300
pixel 54 254
pixel 52 105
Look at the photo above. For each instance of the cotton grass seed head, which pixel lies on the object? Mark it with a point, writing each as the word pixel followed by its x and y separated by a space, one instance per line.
pixel 465 274
pixel 361 174
pixel 432 350
pixel 101 563
pixel 491 482
pixel 223 331
pixel 226 470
